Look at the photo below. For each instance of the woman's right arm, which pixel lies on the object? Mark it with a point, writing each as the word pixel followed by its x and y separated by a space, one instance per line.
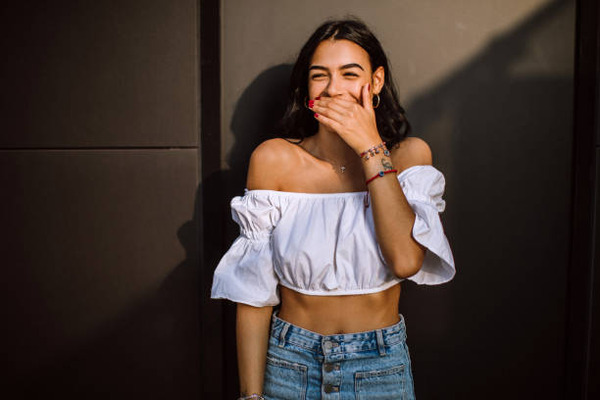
pixel 267 168
pixel 252 332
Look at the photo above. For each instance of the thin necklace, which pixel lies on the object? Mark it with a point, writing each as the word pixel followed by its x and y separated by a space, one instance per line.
pixel 335 165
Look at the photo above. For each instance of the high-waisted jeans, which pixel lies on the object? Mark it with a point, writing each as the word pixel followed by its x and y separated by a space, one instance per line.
pixel 367 365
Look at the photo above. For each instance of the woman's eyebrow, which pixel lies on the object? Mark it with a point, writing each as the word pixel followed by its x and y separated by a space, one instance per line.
pixel 346 66
pixel 353 65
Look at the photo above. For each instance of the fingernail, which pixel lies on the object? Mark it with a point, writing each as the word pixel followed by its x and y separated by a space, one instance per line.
pixel 311 103
pixel 368 86
pixel 316 115
pixel 318 98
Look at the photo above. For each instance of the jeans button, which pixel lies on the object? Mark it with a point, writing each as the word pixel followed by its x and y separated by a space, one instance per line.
pixel 327 345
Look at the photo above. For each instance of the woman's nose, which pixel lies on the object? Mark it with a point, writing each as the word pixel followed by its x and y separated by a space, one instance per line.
pixel 334 87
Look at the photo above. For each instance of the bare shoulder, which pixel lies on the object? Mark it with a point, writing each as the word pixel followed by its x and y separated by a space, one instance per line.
pixel 410 152
pixel 269 163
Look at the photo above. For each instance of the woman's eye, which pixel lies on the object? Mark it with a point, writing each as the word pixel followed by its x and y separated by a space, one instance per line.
pixel 317 76
pixel 351 74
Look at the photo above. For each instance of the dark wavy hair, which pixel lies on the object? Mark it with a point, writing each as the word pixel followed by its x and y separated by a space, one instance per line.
pixel 298 121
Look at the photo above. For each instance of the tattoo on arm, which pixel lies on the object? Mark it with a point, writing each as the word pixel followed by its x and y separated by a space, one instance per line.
pixel 386 164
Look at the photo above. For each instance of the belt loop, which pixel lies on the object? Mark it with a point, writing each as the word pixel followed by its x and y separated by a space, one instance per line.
pixel 283 333
pixel 380 342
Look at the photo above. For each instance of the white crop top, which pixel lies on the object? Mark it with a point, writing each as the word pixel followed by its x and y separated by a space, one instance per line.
pixel 324 243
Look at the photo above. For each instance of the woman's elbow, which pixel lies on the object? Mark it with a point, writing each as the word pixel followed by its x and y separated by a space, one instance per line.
pixel 406 266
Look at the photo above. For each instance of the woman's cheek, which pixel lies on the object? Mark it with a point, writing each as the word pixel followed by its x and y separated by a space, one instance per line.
pixel 316 89
pixel 357 91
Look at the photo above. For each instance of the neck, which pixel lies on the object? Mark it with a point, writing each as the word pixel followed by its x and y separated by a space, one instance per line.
pixel 329 145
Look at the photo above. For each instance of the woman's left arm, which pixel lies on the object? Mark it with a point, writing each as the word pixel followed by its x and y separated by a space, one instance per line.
pixel 394 218
pixel 393 215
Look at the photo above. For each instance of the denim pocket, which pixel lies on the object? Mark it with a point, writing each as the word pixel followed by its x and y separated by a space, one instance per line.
pixel 384 384
pixel 284 379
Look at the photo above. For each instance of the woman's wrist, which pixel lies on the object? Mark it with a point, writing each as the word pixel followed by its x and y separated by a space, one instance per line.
pixel 376 158
pixel 253 396
pixel 372 151
pixel 360 149
pixel 377 165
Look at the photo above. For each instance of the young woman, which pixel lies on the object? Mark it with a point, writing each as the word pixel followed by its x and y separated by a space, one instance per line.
pixel 336 214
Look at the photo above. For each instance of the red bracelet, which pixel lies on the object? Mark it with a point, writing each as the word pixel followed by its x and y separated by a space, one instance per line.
pixel 379 175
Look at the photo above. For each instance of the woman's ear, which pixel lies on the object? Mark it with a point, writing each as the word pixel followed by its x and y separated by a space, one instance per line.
pixel 378 79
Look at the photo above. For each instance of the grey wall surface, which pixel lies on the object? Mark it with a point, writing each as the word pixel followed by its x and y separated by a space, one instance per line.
pixel 99 169
pixel 489 86
pixel 81 74
pixel 509 172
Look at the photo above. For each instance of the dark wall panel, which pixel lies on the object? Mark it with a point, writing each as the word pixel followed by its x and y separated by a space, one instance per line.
pixel 99 294
pixel 106 73
pixel 594 345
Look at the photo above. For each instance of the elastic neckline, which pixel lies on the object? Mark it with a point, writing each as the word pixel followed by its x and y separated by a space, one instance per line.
pixel 332 194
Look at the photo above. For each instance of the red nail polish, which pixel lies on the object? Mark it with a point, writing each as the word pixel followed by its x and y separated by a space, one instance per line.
pixel 368 86
pixel 318 98
pixel 311 103
pixel 316 115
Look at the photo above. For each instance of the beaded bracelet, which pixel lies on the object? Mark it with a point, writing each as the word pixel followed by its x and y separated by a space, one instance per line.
pixel 252 396
pixel 379 175
pixel 370 152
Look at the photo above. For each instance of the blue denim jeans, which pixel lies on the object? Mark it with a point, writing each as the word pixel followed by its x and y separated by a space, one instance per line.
pixel 367 365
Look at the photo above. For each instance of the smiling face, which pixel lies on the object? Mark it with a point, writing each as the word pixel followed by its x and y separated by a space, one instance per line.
pixel 341 68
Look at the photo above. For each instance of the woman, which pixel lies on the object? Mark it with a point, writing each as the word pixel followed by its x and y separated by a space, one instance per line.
pixel 335 217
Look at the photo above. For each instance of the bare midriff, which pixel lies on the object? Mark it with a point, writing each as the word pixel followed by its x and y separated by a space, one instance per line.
pixel 329 315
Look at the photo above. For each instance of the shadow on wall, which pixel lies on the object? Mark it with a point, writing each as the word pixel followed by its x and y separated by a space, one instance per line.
pixel 255 118
pixel 148 352
pixel 500 129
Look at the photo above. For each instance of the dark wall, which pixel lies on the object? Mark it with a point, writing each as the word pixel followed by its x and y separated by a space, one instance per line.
pixel 583 306
pixel 99 168
pixel 90 74
pixel 507 154
pixel 500 124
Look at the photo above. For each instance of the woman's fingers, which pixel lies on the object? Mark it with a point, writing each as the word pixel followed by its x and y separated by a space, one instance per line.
pixel 337 104
pixel 328 112
pixel 335 108
pixel 329 122
pixel 367 103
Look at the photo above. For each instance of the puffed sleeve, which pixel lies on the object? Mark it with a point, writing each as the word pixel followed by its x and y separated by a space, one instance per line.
pixel 245 273
pixel 423 186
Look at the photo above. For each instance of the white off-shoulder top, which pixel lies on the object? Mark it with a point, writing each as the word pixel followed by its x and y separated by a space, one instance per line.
pixel 324 243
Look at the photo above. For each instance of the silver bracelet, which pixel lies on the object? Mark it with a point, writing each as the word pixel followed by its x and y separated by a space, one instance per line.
pixel 253 396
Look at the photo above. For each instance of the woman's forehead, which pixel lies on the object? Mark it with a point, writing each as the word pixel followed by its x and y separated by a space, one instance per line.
pixel 334 54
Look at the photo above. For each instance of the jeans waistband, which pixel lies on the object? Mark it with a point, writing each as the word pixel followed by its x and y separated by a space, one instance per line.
pixel 284 333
